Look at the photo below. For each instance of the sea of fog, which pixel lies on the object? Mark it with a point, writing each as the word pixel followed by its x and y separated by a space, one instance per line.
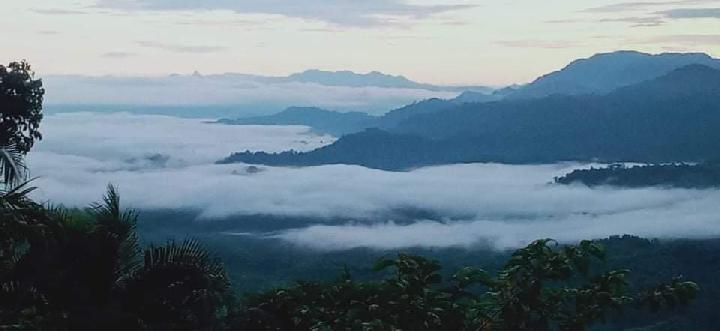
pixel 161 162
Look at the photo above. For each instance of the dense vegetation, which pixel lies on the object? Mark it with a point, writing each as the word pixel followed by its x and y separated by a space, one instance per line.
pixel 21 98
pixel 704 175
pixel 258 262
pixel 84 270
pixel 672 118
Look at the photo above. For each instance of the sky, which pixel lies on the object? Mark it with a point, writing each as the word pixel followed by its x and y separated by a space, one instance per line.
pixel 493 42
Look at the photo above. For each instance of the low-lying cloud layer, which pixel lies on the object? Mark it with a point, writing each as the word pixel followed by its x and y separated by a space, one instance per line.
pixel 250 95
pixel 165 162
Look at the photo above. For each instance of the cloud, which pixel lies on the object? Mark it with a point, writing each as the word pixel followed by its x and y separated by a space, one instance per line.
pixel 641 5
pixel 653 18
pixel 48 32
pixel 685 39
pixel 162 162
pixel 635 21
pixel 119 137
pixel 339 12
pixel 250 95
pixel 547 44
pixel 57 11
pixel 681 13
pixel 117 55
pixel 627 6
pixel 695 218
pixel 181 48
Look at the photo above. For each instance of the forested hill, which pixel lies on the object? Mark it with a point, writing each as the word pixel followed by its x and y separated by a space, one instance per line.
pixel 605 72
pixel 672 118
pixel 320 120
pixel 677 103
pixel 372 148
pixel 706 175
pixel 338 124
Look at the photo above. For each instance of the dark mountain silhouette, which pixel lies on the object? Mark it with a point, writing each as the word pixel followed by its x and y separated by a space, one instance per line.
pixel 603 73
pixel 320 120
pixel 475 97
pixel 702 176
pixel 372 148
pixel 598 75
pixel 672 118
pixel 429 106
pixel 338 124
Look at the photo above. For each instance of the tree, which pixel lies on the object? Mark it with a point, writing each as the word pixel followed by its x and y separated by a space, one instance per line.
pixel 180 286
pixel 543 287
pixel 21 98
pixel 84 270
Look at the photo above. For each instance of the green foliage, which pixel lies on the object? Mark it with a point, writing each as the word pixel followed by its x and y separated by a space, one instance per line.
pixel 21 98
pixel 22 307
pixel 82 270
pixel 12 165
pixel 542 287
pixel 408 300
pixel 22 223
pixel 179 287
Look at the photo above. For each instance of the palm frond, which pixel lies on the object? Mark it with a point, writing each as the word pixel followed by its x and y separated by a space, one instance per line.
pixel 120 226
pixel 12 165
pixel 189 252
pixel 15 203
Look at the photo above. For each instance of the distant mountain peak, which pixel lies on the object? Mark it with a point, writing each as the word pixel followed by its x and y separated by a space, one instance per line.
pixel 605 72
pixel 351 78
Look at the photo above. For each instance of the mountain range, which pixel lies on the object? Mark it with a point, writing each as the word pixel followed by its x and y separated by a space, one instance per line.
pixel 670 118
pixel 605 72
pixel 597 75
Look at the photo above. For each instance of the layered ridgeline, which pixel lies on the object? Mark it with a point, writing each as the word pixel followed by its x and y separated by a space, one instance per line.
pixel 341 123
pixel 603 73
pixel 599 74
pixel 320 120
pixel 671 118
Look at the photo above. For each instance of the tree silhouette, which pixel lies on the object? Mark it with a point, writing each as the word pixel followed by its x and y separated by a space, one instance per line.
pixel 21 98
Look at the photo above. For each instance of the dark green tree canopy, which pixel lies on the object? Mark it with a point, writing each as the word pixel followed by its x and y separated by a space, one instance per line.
pixel 21 98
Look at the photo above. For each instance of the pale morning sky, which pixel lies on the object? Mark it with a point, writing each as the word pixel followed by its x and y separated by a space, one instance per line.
pixel 446 42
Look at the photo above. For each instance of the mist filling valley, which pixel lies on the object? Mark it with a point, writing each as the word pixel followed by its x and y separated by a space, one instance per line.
pixel 162 163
